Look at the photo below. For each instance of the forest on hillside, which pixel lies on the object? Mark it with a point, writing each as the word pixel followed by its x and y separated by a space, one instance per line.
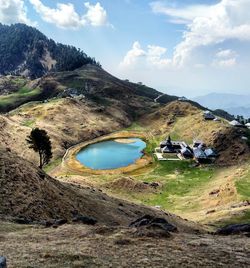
pixel 23 47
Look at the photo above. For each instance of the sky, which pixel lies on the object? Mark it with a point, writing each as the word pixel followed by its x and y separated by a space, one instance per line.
pixel 180 47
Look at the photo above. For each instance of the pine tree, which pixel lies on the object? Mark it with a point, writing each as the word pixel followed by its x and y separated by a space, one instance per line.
pixel 39 141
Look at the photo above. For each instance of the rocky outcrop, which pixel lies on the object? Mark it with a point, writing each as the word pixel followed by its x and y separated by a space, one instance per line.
pixel 3 262
pixel 152 227
pixel 234 229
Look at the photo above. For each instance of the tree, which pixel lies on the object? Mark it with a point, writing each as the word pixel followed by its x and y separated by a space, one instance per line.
pixel 39 141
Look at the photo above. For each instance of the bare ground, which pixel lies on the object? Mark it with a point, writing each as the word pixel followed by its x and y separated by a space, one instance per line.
pixel 72 246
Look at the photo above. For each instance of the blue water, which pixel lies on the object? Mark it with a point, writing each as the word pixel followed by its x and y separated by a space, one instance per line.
pixel 111 154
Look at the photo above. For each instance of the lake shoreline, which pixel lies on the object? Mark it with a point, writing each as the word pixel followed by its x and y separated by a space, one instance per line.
pixel 71 164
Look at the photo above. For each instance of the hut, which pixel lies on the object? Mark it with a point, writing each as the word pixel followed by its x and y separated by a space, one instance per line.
pixel 236 123
pixel 198 144
pixel 187 152
pixel 167 146
pixel 200 156
pixel 211 153
pixel 168 149
pixel 208 115
pixel 182 99
pixel 247 125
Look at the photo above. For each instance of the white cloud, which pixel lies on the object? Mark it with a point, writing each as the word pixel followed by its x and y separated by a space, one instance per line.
pixel 227 53
pixel 225 58
pixel 153 56
pixel 65 16
pixel 133 55
pixel 208 25
pixel 225 63
pixel 13 11
pixel 96 15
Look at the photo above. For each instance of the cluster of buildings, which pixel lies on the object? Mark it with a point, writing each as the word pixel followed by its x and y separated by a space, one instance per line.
pixel 197 151
pixel 207 115
pixel 236 123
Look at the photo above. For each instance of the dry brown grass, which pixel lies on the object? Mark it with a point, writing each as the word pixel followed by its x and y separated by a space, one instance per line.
pixel 26 192
pixel 72 246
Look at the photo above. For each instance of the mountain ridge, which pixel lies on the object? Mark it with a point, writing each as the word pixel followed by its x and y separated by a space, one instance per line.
pixel 233 103
pixel 26 51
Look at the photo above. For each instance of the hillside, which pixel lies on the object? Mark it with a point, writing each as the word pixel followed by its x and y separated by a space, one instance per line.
pixel 26 51
pixel 27 194
pixel 184 121
pixel 90 81
pixel 90 102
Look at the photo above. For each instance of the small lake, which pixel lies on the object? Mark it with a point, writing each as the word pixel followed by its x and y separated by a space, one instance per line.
pixel 111 154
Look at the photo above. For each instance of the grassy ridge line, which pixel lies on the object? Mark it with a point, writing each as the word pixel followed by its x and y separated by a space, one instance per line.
pixel 23 95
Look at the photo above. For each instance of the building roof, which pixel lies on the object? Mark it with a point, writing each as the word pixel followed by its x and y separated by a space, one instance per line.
pixel 210 152
pixel 235 123
pixel 209 116
pixel 187 152
pixel 167 149
pixel 198 153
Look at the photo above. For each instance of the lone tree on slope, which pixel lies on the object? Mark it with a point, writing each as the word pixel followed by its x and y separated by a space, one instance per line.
pixel 39 141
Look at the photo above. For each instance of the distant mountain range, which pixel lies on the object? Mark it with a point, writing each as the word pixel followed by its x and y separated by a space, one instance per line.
pixel 232 103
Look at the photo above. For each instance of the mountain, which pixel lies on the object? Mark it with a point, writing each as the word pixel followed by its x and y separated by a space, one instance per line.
pixel 31 200
pixel 26 51
pixel 27 192
pixel 90 81
pixel 244 111
pixel 232 103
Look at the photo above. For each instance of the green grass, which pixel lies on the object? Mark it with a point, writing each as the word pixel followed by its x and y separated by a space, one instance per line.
pixel 243 186
pixel 183 180
pixel 135 127
pixel 244 217
pixel 52 165
pixel 19 81
pixel 19 97
pixel 179 179
pixel 29 123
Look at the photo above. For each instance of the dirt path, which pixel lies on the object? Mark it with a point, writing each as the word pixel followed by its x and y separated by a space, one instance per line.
pixel 156 99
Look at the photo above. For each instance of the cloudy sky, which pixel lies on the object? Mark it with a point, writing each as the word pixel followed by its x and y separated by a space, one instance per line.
pixel 188 48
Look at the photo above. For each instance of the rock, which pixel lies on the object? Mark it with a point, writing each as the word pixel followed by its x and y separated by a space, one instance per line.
pixel 60 222
pixel 154 184
pixel 234 229
pixel 84 220
pixel 153 227
pixel 3 262
pixel 22 221
pixel 122 242
pixel 53 223
pixel 214 192
pixel 210 211
pixel 163 224
pixel 152 232
pixel 145 220
pixel 245 203
pixel 47 224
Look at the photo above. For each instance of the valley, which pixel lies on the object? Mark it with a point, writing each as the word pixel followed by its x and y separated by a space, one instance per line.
pixel 144 213
pixel 183 188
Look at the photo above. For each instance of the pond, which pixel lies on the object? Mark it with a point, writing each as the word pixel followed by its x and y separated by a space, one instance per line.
pixel 111 154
